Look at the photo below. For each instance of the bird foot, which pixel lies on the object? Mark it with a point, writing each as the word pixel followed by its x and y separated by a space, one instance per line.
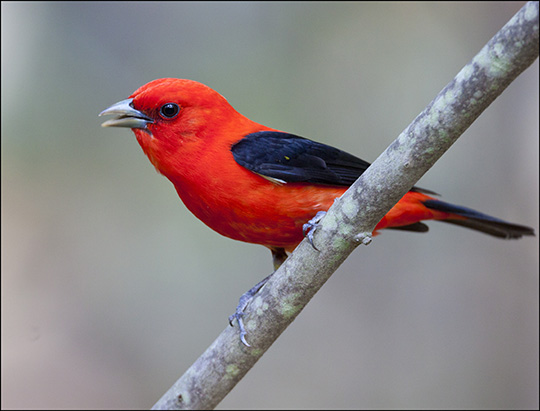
pixel 243 302
pixel 238 317
pixel 309 228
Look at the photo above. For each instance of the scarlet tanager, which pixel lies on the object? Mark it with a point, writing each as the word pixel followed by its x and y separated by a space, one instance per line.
pixel 257 184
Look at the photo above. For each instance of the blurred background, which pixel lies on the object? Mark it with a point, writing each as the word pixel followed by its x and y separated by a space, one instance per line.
pixel 111 288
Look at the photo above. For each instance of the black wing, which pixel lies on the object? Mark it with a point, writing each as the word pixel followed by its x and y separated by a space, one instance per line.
pixel 295 159
pixel 292 158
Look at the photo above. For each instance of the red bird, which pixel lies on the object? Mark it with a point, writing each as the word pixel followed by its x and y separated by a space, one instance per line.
pixel 257 184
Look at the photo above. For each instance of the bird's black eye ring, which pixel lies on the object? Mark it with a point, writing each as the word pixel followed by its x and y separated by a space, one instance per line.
pixel 169 111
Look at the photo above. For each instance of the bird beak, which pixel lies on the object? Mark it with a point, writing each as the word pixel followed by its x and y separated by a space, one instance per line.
pixel 127 116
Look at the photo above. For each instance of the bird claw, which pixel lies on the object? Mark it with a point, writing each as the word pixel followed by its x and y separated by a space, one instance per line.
pixel 243 302
pixel 308 229
pixel 238 317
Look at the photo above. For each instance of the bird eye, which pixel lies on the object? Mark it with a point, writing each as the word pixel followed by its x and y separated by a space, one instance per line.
pixel 169 110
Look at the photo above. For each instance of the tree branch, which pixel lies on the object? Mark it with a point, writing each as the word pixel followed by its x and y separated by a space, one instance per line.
pixel 352 218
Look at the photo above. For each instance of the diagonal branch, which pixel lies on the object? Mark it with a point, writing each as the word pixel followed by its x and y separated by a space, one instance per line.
pixel 351 219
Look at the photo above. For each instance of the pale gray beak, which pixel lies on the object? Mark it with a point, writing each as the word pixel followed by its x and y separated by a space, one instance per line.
pixel 127 116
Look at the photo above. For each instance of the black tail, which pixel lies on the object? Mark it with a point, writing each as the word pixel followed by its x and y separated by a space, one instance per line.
pixel 480 222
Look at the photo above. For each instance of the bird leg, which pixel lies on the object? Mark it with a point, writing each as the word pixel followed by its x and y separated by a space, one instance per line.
pixel 279 255
pixel 309 228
